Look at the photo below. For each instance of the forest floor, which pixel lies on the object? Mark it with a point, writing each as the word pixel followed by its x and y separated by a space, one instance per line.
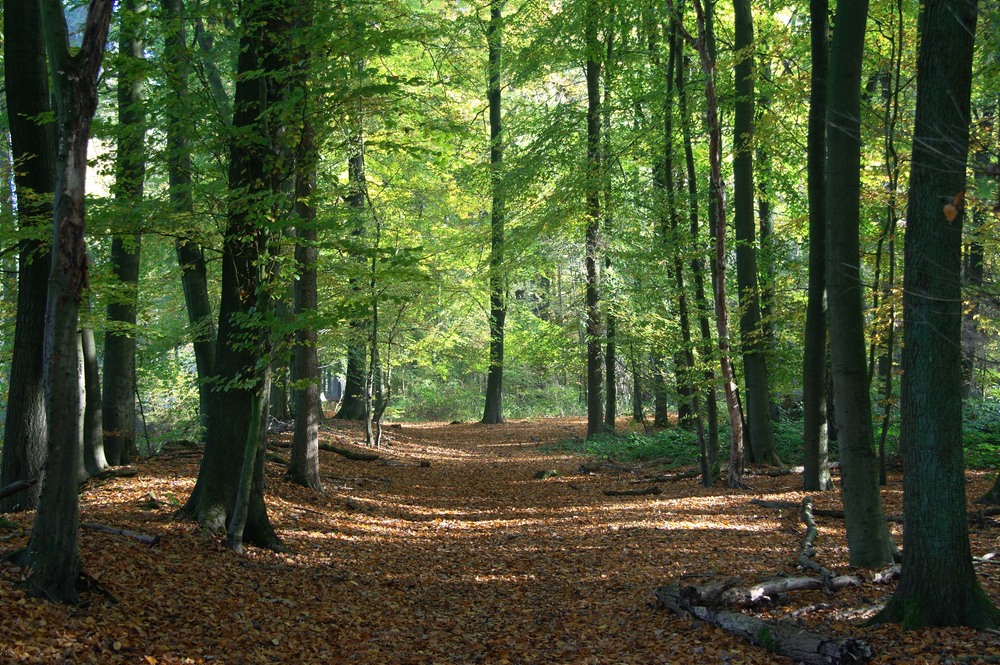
pixel 468 560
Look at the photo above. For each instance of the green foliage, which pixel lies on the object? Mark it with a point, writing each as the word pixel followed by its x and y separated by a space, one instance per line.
pixel 981 433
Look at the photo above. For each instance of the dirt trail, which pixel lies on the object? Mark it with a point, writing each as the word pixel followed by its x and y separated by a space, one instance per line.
pixel 468 560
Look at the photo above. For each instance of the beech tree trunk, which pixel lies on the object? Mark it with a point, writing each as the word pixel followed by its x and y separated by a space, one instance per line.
pixel 92 455
pixel 706 344
pixel 303 466
pixel 130 172
pixel 493 412
pixel 53 550
pixel 34 151
pixel 353 406
pixel 736 443
pixel 256 171
pixel 868 536
pixel 937 585
pixel 816 475
pixel 190 255
pixel 595 403
pixel 752 338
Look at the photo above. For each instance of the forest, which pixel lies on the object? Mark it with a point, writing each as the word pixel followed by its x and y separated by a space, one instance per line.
pixel 505 331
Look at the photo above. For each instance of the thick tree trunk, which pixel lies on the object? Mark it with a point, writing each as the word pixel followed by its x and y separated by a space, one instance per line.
pixel 752 340
pixel 257 169
pixel 303 467
pixel 53 549
pixel 595 403
pixel 816 476
pixel 130 173
pixel 493 412
pixel 353 405
pixel 93 459
pixel 34 151
pixel 190 255
pixel 938 585
pixel 868 536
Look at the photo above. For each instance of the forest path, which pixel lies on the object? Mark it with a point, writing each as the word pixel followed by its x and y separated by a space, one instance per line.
pixel 468 560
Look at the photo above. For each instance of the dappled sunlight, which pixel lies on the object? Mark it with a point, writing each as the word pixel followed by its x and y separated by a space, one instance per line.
pixel 469 553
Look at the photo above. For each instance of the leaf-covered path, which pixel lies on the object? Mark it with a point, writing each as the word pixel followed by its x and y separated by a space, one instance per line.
pixel 469 559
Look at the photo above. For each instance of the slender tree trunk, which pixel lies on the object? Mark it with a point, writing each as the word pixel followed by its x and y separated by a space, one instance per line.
pixel 130 173
pixel 697 265
pixel 758 392
pixel 595 403
pixel 493 412
pixel 54 547
pixel 938 585
pixel 736 458
pixel 34 154
pixel 867 534
pixel 190 255
pixel 611 324
pixel 816 475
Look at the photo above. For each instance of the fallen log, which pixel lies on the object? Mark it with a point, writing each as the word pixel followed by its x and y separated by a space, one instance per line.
pixel 670 477
pixel 349 454
pixel 768 589
pixel 809 541
pixel 643 492
pixel 780 637
pixel 17 486
pixel 135 535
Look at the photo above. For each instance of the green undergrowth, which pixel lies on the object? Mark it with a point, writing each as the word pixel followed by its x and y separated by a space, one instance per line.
pixel 680 446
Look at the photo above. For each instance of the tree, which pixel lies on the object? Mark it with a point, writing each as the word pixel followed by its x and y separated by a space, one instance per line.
pixel 229 497
pixel 53 550
pixel 867 533
pixel 353 406
pixel 937 585
pixel 816 474
pixel 703 45
pixel 34 153
pixel 130 173
pixel 592 213
pixel 493 412
pixel 303 466
pixel 751 334
pixel 190 254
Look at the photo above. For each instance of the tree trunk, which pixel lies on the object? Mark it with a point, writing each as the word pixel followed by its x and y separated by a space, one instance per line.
pixel 937 585
pixel 303 467
pixel 868 536
pixel 130 173
pixel 190 255
pixel 93 459
pixel 736 459
pixel 493 412
pixel 54 546
pixel 256 172
pixel 353 405
pixel 783 638
pixel 697 271
pixel 34 152
pixel 754 364
pixel 595 403
pixel 816 476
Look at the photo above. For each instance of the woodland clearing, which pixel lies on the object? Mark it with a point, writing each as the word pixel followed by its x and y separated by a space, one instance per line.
pixel 470 559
